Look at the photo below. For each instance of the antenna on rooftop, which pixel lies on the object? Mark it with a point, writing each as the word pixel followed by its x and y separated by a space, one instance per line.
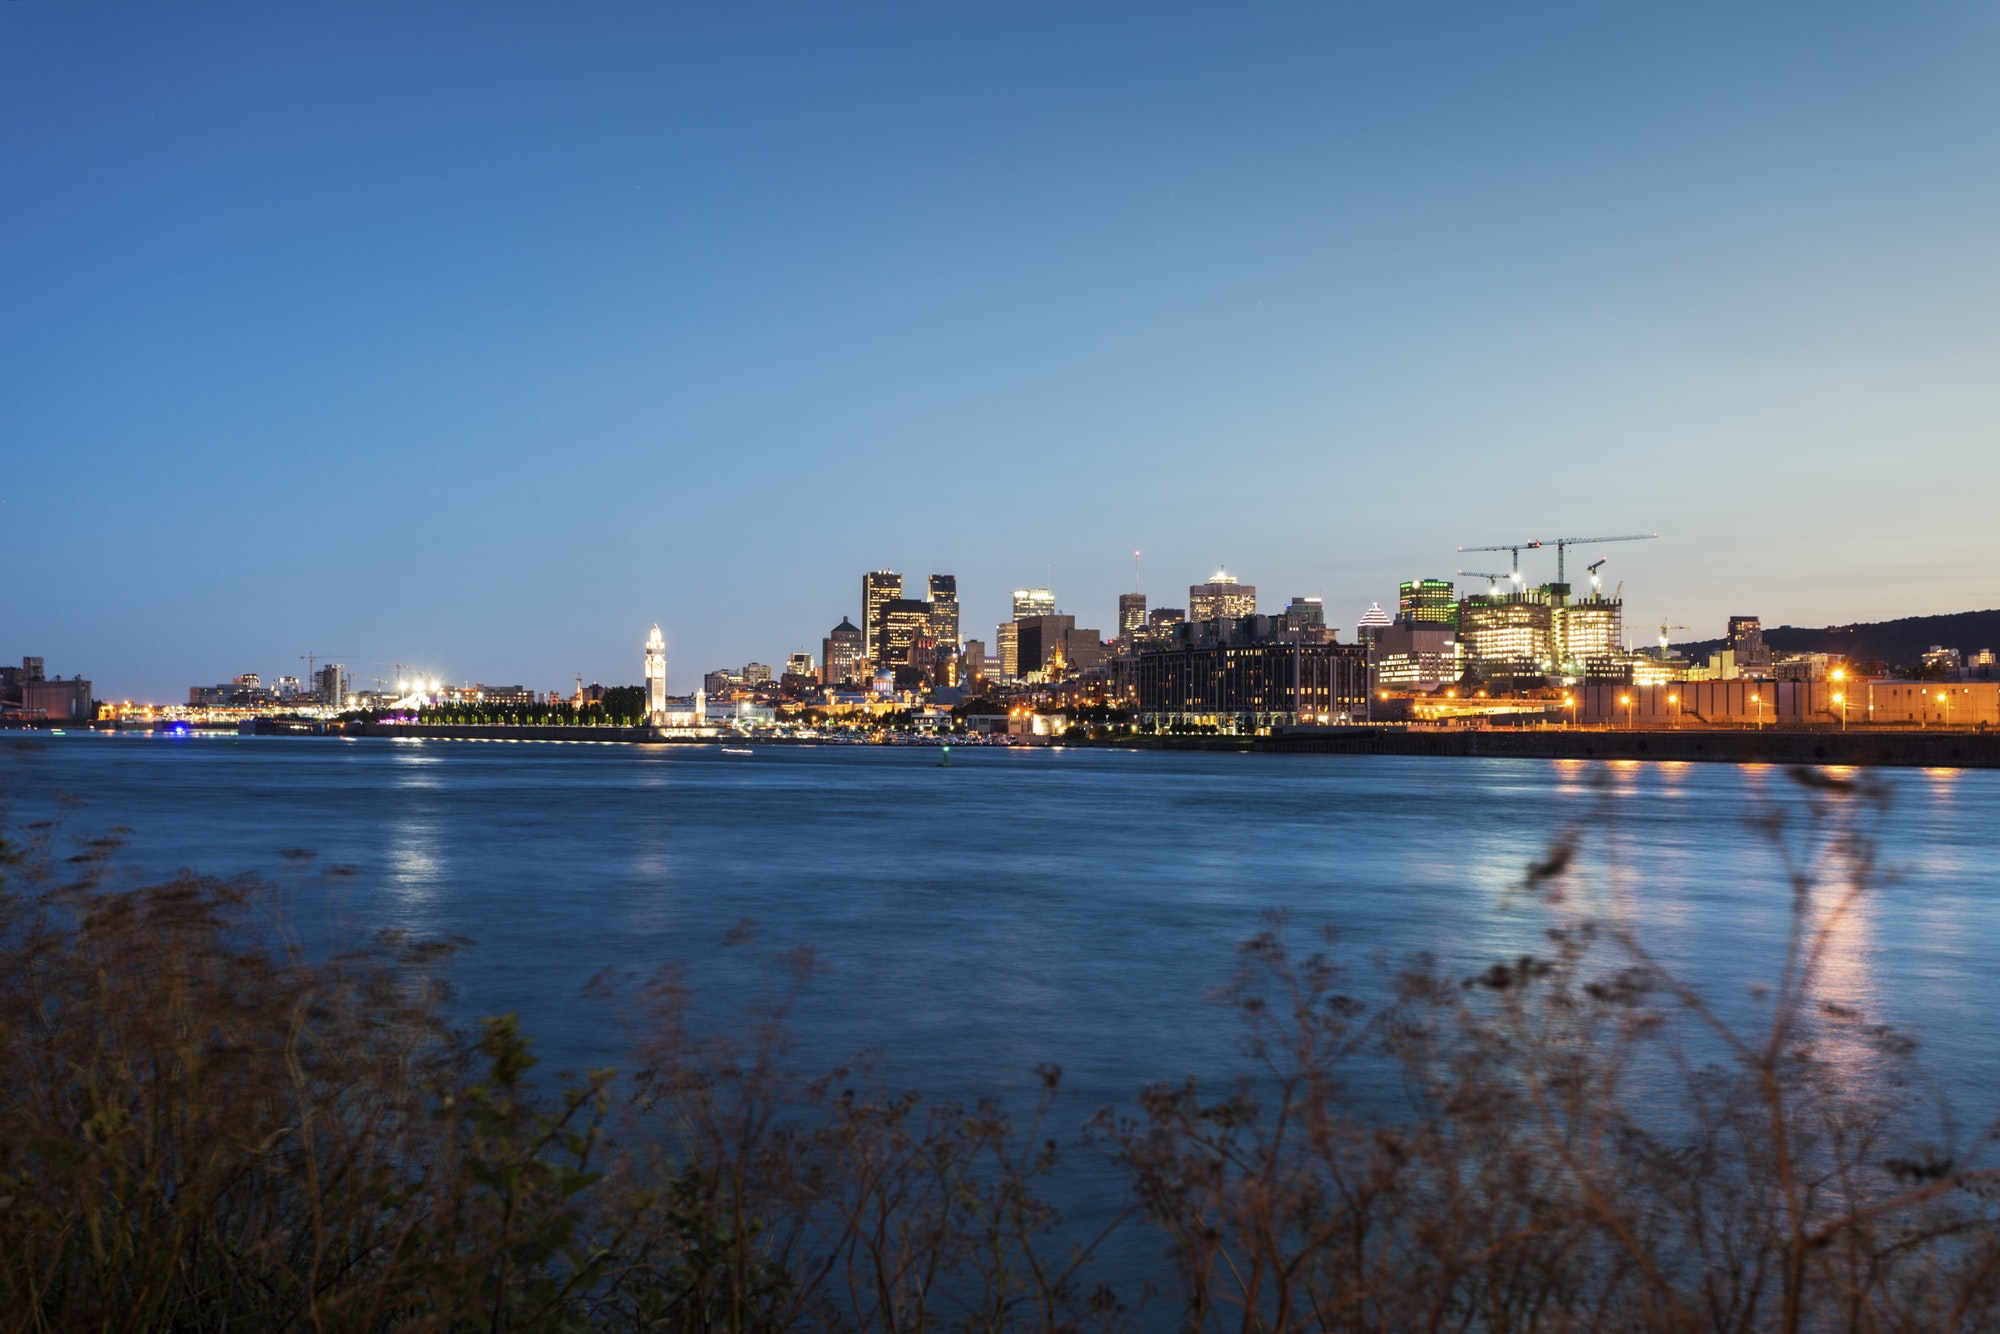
pixel 1135 571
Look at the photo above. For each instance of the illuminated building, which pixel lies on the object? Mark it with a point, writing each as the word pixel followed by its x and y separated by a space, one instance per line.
pixel 878 589
pixel 1222 595
pixel 1428 600
pixel 1372 623
pixel 1161 622
pixel 1588 629
pixel 843 656
pixel 756 674
pixel 656 677
pixel 905 626
pixel 1131 616
pixel 1415 655
pixel 1007 636
pixel 799 665
pixel 944 611
pixel 27 692
pixel 1508 637
pixel 1249 679
pixel 972 675
pixel 1033 602
pixel 1746 640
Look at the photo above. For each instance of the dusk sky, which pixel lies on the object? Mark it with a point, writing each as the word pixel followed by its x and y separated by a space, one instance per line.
pixel 481 337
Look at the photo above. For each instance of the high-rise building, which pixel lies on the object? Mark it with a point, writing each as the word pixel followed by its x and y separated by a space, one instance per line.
pixel 944 612
pixel 972 675
pixel 1746 640
pixel 1415 655
pixel 1054 646
pixel 906 628
pixel 843 659
pixel 878 589
pixel 1428 600
pixel 1033 602
pixel 656 677
pixel 1131 616
pixel 1222 595
pixel 1369 628
pixel 799 664
pixel 330 683
pixel 1307 615
pixel 1007 636
pixel 1508 637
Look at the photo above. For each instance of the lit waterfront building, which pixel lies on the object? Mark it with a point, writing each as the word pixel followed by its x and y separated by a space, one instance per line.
pixel 1034 602
pixel 1007 637
pixel 878 589
pixel 1428 600
pixel 843 658
pixel 1415 655
pixel 1222 595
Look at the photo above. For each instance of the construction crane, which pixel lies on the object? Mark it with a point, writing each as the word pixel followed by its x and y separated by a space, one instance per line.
pixel 1561 544
pixel 1664 628
pixel 1597 584
pixel 310 657
pixel 1490 577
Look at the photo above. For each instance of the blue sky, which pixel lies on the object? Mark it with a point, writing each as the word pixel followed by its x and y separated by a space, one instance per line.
pixel 482 337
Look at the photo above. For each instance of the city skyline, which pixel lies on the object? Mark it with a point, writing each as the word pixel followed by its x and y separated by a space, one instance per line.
pixel 477 346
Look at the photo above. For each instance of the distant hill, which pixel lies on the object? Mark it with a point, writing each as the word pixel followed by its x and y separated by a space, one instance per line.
pixel 1895 642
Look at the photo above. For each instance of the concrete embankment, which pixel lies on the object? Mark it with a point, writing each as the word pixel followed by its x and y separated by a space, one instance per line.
pixel 1935 749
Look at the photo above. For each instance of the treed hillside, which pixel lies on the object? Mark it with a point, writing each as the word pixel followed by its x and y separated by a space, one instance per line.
pixel 1899 641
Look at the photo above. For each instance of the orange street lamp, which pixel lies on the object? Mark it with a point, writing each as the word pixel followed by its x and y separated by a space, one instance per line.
pixel 1675 700
pixel 1571 701
pixel 1840 698
pixel 1758 700
pixel 1626 700
pixel 1944 698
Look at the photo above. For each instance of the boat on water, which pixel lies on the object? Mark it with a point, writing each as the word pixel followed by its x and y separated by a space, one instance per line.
pixel 737 750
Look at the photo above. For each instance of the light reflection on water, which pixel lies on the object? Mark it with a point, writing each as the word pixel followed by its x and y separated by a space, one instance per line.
pixel 1018 907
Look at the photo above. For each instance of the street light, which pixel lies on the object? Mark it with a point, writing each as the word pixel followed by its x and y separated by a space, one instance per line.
pixel 1626 700
pixel 1840 698
pixel 1571 701
pixel 1675 700
pixel 1944 698
pixel 1758 700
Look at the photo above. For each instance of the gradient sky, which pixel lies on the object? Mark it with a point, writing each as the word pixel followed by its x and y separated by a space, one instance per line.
pixel 481 337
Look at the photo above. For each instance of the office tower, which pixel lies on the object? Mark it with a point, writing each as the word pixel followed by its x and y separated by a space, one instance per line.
pixel 878 589
pixel 1746 640
pixel 1307 614
pixel 1222 595
pixel 330 682
pixel 1428 600
pixel 1370 626
pixel 1131 616
pixel 843 660
pixel 944 612
pixel 799 664
pixel 1033 602
pixel 756 674
pixel 1055 646
pixel 1007 635
pixel 906 627
pixel 1507 638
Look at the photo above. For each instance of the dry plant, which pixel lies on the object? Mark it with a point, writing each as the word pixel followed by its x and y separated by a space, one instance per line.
pixel 1590 1143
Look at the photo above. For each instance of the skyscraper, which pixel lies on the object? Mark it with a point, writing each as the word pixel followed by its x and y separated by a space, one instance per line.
pixel 1222 595
pixel 878 589
pixel 1306 614
pixel 1428 600
pixel 842 659
pixel 944 612
pixel 906 625
pixel 330 682
pixel 1034 602
pixel 1131 615
pixel 1746 640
